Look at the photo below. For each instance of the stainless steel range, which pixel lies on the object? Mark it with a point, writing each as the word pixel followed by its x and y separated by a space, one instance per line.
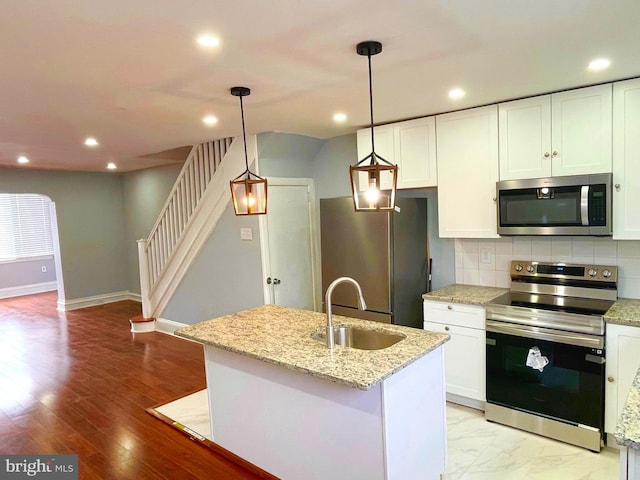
pixel 546 350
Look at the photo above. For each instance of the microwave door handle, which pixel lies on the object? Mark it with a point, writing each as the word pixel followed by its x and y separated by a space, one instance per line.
pixel 584 204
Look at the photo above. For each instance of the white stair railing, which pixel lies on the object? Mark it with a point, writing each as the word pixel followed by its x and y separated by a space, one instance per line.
pixel 155 251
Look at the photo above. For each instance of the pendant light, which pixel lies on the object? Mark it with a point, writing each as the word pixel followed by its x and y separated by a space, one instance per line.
pixel 373 179
pixel 248 190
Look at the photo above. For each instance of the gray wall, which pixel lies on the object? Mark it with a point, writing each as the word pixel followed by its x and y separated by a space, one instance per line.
pixel 144 193
pixel 27 272
pixel 284 155
pixel 91 229
pixel 225 277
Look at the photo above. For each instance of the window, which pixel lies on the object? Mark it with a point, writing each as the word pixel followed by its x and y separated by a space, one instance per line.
pixel 25 226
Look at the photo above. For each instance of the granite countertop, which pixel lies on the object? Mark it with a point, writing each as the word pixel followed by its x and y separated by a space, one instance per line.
pixel 282 336
pixel 628 428
pixel 469 294
pixel 626 311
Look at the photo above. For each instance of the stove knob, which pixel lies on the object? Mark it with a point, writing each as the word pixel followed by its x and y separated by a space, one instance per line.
pixel 530 268
pixel 606 273
pixel 592 272
pixel 517 267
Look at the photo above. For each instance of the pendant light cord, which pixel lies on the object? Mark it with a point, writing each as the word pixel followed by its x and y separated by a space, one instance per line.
pixel 373 148
pixel 244 136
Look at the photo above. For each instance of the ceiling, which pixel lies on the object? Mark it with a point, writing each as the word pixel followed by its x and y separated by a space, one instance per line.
pixel 131 74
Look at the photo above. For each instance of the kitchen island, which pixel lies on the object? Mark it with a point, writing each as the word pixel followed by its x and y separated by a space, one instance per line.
pixel 288 404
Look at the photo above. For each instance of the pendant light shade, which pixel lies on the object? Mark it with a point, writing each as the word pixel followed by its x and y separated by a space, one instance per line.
pixel 373 179
pixel 248 190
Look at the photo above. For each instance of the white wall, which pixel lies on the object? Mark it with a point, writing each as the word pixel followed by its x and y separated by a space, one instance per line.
pixel 486 262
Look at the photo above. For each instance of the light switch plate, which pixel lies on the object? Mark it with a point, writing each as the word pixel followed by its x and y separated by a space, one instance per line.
pixel 246 233
pixel 485 255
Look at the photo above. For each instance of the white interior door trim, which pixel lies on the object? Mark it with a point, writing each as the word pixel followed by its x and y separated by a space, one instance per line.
pixel 315 243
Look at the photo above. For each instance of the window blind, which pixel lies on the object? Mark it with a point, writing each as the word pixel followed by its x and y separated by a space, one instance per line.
pixel 25 226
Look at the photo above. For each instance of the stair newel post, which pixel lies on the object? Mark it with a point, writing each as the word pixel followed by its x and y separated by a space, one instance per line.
pixel 144 277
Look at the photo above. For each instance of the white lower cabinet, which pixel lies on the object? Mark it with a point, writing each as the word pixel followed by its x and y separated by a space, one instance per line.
pixel 629 463
pixel 623 361
pixel 464 353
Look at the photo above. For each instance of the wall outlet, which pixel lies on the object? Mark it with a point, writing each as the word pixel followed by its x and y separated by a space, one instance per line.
pixel 246 233
pixel 485 255
pixel 44 269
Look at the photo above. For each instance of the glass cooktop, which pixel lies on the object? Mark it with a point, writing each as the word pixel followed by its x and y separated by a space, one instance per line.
pixel 583 306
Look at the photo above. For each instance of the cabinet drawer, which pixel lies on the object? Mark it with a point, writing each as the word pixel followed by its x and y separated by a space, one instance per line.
pixel 469 316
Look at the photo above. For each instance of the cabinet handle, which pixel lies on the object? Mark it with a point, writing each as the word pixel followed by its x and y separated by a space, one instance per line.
pixel 610 379
pixel 546 154
pixel 555 154
pixel 495 198
pixel 446 328
pixel 617 185
pixel 449 307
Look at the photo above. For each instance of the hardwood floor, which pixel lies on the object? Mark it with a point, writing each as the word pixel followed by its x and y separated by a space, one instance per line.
pixel 79 382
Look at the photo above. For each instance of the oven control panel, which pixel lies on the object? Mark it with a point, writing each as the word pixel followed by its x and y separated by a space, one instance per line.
pixel 599 273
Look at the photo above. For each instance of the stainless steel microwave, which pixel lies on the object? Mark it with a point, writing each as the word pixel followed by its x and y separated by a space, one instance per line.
pixel 571 205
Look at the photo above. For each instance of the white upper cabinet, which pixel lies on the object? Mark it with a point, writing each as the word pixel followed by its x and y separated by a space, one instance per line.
pixel 467 153
pixel 525 138
pixel 411 145
pixel 626 160
pixel 415 148
pixel 566 133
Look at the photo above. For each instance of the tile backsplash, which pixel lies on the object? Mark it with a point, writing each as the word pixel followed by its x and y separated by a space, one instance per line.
pixel 487 262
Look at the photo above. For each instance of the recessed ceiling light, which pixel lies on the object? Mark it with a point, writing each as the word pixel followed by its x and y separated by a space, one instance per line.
pixel 23 159
pixel 339 117
pixel 208 41
pixel 210 120
pixel 456 93
pixel 91 142
pixel 599 64
pixel 111 166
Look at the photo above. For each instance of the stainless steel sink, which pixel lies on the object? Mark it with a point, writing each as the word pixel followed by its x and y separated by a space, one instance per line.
pixel 360 338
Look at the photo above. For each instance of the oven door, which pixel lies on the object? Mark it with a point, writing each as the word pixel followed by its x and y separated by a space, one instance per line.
pixel 564 380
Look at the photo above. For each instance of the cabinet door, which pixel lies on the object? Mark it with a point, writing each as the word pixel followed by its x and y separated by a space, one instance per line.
pixel 383 137
pixel 626 164
pixel 467 154
pixel 415 152
pixel 622 361
pixel 464 360
pixel 581 131
pixel 525 138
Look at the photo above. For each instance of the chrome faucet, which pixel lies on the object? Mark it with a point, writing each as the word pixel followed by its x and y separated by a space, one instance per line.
pixel 327 301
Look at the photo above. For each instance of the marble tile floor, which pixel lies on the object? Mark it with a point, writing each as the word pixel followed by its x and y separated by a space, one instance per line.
pixel 477 449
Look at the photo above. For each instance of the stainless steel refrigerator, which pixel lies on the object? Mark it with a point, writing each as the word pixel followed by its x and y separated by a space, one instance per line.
pixel 385 252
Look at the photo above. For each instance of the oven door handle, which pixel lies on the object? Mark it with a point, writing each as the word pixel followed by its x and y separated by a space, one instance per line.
pixel 539 333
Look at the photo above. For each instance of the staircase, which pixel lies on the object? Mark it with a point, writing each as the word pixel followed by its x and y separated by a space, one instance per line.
pixel 191 212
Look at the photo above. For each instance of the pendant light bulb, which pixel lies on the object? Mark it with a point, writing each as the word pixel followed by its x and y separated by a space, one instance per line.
pixel 373 179
pixel 248 190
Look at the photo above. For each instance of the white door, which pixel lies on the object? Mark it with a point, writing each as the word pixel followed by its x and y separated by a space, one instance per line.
pixel 289 250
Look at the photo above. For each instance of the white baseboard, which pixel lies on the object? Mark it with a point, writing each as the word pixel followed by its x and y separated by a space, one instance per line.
pixel 467 402
pixel 28 289
pixel 168 326
pixel 77 303
pixel 136 297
